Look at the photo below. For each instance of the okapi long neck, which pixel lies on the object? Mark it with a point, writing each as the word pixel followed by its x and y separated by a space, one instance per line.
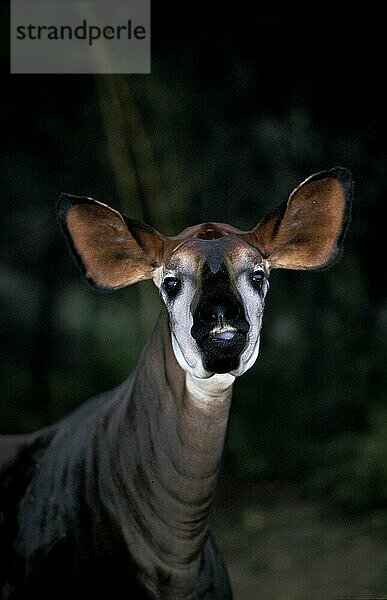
pixel 179 437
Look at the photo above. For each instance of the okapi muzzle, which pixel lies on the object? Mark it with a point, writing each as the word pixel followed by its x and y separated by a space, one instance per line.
pixel 219 324
pixel 113 501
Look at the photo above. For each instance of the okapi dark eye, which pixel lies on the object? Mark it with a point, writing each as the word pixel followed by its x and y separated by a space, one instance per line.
pixel 257 279
pixel 172 286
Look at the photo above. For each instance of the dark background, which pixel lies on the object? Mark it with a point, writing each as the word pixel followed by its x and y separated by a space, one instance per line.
pixel 240 107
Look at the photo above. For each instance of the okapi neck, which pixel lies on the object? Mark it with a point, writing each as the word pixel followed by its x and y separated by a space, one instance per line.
pixel 179 445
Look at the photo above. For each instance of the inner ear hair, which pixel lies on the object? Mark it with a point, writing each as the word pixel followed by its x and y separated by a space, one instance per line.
pixel 112 250
pixel 307 231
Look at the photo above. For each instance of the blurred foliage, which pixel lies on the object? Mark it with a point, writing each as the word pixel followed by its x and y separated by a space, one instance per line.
pixel 353 470
pixel 222 130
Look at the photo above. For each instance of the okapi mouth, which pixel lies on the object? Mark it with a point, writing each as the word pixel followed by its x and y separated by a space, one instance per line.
pixel 222 349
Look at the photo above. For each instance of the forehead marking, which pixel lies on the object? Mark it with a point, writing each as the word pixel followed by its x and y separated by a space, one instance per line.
pixel 215 258
pixel 215 254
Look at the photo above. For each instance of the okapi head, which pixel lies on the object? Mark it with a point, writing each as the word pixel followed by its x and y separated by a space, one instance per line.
pixel 213 278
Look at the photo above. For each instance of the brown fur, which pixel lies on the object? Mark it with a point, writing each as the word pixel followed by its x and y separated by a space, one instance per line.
pixel 306 231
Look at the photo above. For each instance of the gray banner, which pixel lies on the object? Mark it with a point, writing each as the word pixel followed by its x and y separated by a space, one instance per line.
pixel 80 37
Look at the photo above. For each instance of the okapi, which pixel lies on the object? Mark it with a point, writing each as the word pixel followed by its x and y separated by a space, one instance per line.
pixel 113 501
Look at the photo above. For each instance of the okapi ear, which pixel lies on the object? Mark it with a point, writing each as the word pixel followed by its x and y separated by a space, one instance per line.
pixel 111 249
pixel 307 231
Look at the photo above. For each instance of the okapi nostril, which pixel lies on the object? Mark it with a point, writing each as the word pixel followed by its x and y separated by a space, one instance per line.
pixel 208 315
pixel 219 313
pixel 232 312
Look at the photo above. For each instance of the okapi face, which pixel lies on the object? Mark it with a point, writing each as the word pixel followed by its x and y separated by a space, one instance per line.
pixel 214 291
pixel 212 277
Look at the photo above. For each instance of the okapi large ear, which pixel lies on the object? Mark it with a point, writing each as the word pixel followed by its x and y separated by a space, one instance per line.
pixel 112 250
pixel 307 231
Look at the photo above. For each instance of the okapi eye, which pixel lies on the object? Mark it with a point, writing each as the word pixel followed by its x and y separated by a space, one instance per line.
pixel 257 279
pixel 172 286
